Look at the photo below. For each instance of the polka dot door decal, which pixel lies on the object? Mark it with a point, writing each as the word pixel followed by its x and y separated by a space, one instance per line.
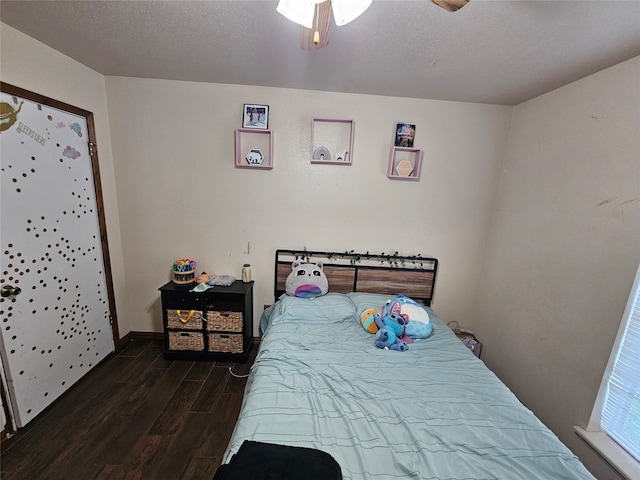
pixel 58 327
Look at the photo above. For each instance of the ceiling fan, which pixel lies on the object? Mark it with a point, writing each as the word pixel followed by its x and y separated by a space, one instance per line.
pixel 315 16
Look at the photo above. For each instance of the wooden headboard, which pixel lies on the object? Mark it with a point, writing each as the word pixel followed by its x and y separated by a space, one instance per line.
pixel 392 274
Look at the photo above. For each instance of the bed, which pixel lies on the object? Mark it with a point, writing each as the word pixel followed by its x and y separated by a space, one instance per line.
pixel 434 411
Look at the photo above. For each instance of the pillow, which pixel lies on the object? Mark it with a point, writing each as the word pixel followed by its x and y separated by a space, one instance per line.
pixel 364 301
pixel 306 280
pixel 265 318
pixel 329 308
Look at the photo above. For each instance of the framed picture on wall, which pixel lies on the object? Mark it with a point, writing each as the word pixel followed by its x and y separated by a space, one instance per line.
pixel 255 116
pixel 405 132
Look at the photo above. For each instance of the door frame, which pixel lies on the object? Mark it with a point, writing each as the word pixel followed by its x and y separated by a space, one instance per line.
pixel 97 184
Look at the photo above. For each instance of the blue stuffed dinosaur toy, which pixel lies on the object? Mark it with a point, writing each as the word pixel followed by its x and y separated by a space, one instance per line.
pixel 390 331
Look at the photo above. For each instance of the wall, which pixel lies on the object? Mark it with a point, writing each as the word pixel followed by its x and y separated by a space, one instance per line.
pixel 563 240
pixel 181 196
pixel 29 64
pixel 564 247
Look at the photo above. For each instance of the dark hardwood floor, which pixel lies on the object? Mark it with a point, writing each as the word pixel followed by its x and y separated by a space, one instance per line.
pixel 135 416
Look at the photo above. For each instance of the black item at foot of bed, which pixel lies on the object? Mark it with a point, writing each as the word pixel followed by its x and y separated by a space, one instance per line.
pixel 268 461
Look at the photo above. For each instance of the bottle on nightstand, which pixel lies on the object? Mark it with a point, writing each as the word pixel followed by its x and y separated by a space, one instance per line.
pixel 246 273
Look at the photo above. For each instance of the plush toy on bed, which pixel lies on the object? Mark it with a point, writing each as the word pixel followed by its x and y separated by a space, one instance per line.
pixel 306 280
pixel 387 340
pixel 368 321
pixel 418 323
pixel 393 322
pixel 401 319
pixel 390 335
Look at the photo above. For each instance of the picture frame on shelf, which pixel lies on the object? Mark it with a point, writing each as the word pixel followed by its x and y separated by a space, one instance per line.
pixel 405 133
pixel 254 157
pixel 255 116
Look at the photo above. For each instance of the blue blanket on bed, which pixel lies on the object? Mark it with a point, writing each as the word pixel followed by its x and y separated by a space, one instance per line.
pixel 432 412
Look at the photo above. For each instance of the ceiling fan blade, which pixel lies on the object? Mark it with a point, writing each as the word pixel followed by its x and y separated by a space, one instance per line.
pixel 321 24
pixel 451 5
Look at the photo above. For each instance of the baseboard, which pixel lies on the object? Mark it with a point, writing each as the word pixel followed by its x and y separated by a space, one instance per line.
pixel 5 439
pixel 129 337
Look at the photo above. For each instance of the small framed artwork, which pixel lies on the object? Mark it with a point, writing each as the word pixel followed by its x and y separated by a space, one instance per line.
pixel 255 116
pixel 254 157
pixel 405 133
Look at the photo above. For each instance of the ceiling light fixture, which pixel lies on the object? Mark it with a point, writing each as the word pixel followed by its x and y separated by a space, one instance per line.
pixel 302 11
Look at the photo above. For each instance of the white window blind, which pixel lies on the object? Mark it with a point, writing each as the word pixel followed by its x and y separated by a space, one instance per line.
pixel 621 412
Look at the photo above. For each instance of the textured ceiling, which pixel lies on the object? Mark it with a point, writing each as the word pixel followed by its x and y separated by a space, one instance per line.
pixel 491 51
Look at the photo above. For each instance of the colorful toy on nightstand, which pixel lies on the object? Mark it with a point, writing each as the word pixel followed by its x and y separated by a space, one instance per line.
pixel 184 271
pixel 204 277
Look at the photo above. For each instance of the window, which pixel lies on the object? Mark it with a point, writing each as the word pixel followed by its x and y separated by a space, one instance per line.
pixel 616 414
pixel 621 412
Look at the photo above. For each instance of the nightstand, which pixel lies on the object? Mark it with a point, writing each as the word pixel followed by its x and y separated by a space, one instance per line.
pixel 216 324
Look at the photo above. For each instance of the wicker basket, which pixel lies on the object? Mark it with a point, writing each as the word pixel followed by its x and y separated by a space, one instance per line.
pixel 184 319
pixel 224 321
pixel 220 342
pixel 186 341
pixel 471 341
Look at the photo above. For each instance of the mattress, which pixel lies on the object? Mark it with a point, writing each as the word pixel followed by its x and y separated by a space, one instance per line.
pixel 434 411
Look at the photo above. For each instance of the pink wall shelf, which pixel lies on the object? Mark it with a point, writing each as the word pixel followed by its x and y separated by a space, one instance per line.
pixel 254 148
pixel 404 163
pixel 332 141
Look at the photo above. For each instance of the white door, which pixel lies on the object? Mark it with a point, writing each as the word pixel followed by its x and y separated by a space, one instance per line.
pixel 57 326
